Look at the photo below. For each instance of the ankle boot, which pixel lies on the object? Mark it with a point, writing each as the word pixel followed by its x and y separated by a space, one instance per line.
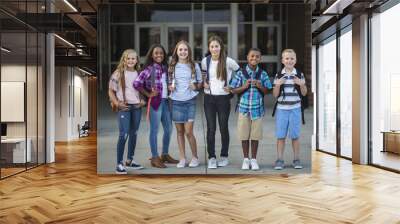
pixel 166 158
pixel 156 162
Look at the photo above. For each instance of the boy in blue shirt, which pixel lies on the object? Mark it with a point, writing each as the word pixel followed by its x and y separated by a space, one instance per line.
pixel 288 85
pixel 251 84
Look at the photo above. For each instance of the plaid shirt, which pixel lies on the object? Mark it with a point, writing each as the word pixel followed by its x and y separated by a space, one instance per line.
pixel 143 81
pixel 251 102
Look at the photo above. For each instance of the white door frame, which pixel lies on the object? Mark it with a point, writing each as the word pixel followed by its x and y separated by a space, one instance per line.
pixel 163 33
pixel 269 58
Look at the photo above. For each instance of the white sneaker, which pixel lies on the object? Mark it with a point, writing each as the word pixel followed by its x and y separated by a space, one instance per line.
pixel 181 164
pixel 194 162
pixel 223 161
pixel 246 164
pixel 132 164
pixel 120 169
pixel 212 163
pixel 254 164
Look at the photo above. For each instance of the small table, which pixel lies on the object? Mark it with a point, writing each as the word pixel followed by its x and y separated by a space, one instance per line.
pixel 391 141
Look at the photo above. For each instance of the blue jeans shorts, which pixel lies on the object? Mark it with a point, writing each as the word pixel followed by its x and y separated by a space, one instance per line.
pixel 288 123
pixel 183 111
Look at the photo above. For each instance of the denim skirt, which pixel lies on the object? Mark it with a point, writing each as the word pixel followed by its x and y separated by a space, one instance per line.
pixel 183 111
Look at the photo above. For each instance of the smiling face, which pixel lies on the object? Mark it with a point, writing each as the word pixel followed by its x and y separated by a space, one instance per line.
pixel 131 60
pixel 289 60
pixel 215 48
pixel 182 52
pixel 158 55
pixel 253 58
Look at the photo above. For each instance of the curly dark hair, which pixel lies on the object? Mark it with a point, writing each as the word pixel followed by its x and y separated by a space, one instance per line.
pixel 149 56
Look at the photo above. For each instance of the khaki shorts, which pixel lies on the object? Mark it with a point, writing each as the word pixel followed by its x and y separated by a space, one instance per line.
pixel 248 129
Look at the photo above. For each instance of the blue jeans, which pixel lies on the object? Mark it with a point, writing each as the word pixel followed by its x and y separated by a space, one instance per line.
pixel 161 115
pixel 128 122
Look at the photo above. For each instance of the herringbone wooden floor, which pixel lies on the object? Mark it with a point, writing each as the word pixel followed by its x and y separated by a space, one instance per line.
pixel 70 191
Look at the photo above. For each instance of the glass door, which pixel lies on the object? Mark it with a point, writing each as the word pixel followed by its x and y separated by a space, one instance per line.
pixel 346 93
pixel 165 34
pixel 268 40
pixel 327 96
pixel 176 33
pixel 385 90
pixel 147 35
pixel 221 30
pixel 15 150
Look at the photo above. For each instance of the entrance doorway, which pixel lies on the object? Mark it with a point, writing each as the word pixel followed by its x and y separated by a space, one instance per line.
pixel 165 34
pixel 221 30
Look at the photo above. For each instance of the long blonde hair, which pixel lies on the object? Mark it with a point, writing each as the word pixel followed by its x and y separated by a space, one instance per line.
pixel 175 59
pixel 120 70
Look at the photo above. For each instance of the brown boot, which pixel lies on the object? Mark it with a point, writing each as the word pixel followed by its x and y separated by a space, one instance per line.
pixel 156 162
pixel 166 158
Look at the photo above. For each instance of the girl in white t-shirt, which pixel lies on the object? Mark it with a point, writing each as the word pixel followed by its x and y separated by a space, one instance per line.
pixel 218 70
pixel 126 100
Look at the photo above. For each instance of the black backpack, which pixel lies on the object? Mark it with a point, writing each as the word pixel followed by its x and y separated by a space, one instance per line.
pixel 282 93
pixel 247 76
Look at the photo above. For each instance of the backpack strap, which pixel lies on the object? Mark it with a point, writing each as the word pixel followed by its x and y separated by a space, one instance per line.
pixel 247 76
pixel 239 95
pixel 208 62
pixel 245 73
pixel 226 82
pixel 258 74
pixel 297 87
pixel 258 77
pixel 152 76
pixel 123 86
pixel 281 92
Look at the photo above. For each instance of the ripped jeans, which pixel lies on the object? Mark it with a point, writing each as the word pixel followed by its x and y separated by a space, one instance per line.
pixel 128 122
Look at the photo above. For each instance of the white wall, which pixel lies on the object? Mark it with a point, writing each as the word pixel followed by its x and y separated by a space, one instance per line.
pixel 14 72
pixel 61 103
pixel 327 96
pixel 17 73
pixel 80 115
pixel 71 94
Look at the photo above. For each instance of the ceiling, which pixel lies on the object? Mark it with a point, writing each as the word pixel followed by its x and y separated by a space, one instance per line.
pixel 76 20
